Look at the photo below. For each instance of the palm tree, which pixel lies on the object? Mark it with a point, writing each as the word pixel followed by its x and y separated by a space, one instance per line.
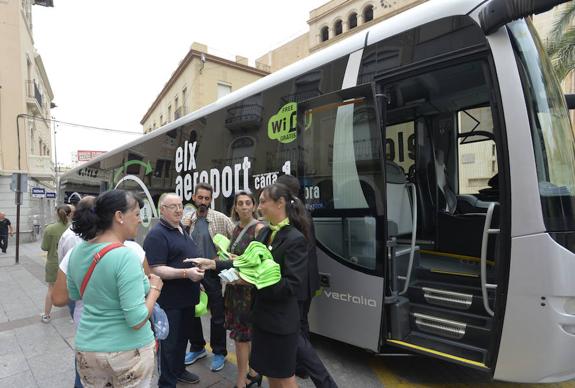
pixel 561 42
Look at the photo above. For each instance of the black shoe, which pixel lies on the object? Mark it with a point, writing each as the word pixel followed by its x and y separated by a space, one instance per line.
pixel 188 378
pixel 257 379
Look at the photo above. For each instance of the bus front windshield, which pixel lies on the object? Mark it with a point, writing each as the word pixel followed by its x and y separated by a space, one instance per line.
pixel 553 139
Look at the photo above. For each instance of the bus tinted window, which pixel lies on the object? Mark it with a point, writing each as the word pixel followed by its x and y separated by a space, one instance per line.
pixel 551 131
pixel 342 156
pixel 342 171
pixel 425 42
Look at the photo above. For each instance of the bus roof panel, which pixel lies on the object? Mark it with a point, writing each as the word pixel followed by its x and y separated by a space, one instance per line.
pixel 422 14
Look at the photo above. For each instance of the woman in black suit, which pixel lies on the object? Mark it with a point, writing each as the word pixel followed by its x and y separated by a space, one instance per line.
pixel 275 315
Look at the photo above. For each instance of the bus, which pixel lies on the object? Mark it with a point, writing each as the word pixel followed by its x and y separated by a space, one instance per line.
pixel 437 159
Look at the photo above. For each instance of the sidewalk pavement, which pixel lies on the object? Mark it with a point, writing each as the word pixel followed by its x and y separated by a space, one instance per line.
pixel 35 354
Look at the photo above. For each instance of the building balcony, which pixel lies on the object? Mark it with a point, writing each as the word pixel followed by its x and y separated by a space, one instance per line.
pixel 245 116
pixel 41 166
pixel 34 97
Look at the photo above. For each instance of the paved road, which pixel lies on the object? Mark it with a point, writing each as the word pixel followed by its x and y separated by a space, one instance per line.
pixel 33 354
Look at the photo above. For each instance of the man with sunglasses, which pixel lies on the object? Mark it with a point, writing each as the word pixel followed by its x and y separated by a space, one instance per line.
pixel 167 245
pixel 204 224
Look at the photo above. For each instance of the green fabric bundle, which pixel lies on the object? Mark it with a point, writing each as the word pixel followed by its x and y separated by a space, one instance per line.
pixel 222 244
pixel 257 266
pixel 202 306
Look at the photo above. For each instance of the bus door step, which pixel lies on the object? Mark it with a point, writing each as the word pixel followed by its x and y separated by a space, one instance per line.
pixel 443 348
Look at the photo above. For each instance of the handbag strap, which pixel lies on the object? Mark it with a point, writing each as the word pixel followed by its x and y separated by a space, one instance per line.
pixel 97 257
pixel 244 230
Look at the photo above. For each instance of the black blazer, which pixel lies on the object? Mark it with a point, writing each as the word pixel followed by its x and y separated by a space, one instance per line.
pixel 275 307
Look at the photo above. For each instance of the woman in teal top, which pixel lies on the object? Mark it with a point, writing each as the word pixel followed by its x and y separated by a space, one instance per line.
pixel 52 235
pixel 114 340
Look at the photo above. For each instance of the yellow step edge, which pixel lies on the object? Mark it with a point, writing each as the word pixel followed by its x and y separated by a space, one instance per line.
pixel 456 256
pixel 446 355
pixel 471 275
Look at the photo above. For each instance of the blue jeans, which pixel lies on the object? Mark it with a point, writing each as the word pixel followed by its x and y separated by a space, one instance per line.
pixel 173 348
pixel 77 382
pixel 71 307
pixel 213 287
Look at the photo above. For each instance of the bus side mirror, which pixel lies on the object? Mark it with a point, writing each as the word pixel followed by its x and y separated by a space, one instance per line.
pixel 570 100
pixel 497 13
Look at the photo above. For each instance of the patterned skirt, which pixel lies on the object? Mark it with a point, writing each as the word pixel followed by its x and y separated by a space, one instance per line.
pixel 238 302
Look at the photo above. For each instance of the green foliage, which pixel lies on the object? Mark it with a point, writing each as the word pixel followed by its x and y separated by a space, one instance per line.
pixel 561 42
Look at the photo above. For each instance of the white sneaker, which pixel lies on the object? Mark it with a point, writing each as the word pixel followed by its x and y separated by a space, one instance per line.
pixel 45 318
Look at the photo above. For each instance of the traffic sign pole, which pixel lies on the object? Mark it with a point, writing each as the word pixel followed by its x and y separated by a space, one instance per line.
pixel 18 203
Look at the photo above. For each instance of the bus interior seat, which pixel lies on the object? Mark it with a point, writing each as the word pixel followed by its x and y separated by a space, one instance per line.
pixel 469 203
pixel 461 221
pixel 461 232
pixel 449 196
pixel 479 203
pixel 398 199
pixel 490 193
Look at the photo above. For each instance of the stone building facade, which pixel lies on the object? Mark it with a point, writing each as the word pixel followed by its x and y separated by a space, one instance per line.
pixel 201 78
pixel 25 127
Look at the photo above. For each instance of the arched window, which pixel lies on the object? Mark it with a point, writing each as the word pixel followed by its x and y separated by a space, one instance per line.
pixel 324 34
pixel 338 27
pixel 352 20
pixel 368 13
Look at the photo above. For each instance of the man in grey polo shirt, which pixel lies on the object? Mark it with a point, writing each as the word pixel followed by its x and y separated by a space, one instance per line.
pixel 204 224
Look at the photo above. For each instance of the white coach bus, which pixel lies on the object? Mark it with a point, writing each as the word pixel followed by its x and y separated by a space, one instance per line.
pixel 437 159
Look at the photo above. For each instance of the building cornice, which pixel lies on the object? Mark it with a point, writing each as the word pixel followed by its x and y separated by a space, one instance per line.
pixel 182 66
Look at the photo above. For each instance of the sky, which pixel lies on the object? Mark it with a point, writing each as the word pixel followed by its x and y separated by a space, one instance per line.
pixel 107 60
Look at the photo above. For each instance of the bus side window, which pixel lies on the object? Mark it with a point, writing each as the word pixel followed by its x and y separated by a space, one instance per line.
pixel 342 174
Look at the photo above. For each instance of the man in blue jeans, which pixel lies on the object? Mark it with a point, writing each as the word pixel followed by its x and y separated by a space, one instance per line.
pixel 167 245
pixel 204 224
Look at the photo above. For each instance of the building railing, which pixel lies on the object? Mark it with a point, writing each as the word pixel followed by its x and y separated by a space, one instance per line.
pixel 33 91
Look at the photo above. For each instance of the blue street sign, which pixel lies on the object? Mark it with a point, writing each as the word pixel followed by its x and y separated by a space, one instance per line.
pixel 38 192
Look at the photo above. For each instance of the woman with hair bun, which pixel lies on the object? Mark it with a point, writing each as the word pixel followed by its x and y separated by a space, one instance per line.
pixel 52 235
pixel 114 340
pixel 238 298
pixel 275 315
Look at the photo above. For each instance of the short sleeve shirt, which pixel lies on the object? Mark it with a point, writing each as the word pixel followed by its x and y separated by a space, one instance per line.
pixel 202 238
pixel 79 305
pixel 4 226
pixel 114 299
pixel 68 240
pixel 166 245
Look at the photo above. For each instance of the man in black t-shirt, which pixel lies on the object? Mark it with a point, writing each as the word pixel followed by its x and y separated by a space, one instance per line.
pixel 5 229
pixel 167 245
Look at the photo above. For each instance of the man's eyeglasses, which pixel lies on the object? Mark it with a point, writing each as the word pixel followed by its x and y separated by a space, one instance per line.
pixel 174 206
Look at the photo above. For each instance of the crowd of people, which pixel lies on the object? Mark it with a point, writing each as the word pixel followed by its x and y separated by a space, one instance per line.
pixel 119 292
